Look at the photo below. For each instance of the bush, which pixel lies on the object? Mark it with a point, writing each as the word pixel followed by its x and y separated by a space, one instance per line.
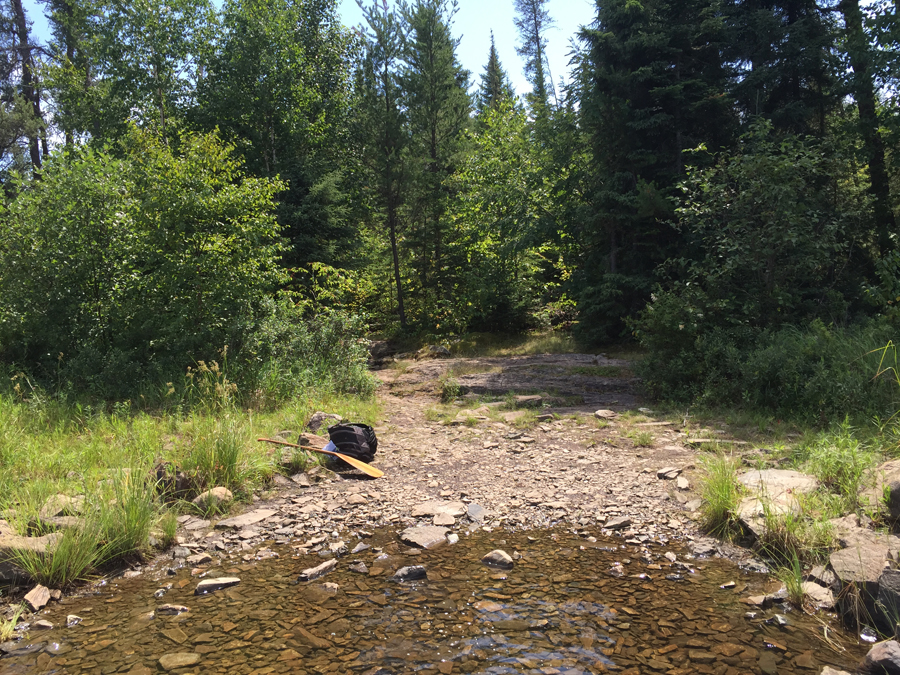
pixel 819 373
pixel 118 270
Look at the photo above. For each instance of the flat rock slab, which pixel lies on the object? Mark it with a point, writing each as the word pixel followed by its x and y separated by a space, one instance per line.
pixel 774 483
pixel 210 585
pixel 444 519
pixel 312 573
pixel 436 507
pixel 668 473
pixel 10 543
pixel 181 660
pixel 427 536
pixel 245 519
pixel 606 414
pixel 617 523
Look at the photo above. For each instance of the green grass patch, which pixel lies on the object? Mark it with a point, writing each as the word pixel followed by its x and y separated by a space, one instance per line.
pixel 720 494
pixel 8 626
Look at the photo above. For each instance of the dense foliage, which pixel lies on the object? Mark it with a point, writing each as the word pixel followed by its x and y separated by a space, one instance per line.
pixel 715 178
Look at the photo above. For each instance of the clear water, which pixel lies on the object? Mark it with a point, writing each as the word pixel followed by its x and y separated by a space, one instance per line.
pixel 561 609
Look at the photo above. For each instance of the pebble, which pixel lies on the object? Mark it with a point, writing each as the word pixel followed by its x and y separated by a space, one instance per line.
pixel 498 558
pixel 211 585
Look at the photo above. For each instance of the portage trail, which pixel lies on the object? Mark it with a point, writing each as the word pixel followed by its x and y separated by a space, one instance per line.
pixel 536 455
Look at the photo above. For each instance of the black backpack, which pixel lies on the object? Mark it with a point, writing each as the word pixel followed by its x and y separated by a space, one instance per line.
pixel 355 440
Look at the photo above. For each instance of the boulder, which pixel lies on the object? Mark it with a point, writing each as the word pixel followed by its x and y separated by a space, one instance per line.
pixel 858 570
pixel 427 536
pixel 772 490
pixel 882 659
pixel 214 497
pixel 318 418
pixel 888 599
pixel 606 414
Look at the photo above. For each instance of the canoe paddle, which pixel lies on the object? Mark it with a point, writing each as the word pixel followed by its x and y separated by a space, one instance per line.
pixel 352 461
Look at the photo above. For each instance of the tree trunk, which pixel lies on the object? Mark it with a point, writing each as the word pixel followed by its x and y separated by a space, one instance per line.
pixel 863 90
pixel 29 88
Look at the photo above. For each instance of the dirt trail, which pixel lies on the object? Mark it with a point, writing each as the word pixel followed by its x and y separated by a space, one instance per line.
pixel 529 472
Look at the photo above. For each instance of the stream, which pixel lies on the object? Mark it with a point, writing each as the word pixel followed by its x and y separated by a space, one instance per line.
pixel 571 604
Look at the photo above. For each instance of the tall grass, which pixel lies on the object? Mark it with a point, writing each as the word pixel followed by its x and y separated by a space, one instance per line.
pixel 8 626
pixel 841 461
pixel 720 494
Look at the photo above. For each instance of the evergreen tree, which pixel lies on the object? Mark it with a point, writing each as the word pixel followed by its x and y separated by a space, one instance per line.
pixel 652 86
pixel 382 122
pixel 532 21
pixel 495 85
pixel 435 87
pixel 784 51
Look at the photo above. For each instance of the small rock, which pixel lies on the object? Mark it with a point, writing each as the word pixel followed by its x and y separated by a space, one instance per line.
pixel 453 538
pixel 212 498
pixel 360 547
pixel 671 557
pixel 73 620
pixel 182 660
pixel 169 610
pixel 498 558
pixel 338 548
pixel 767 663
pixel 359 568
pixel 38 597
pixel 605 414
pixel 410 573
pixel 682 483
pixel 321 570
pixel 198 559
pixel 210 585
pixel 820 596
pixel 42 624
pixel 357 500
pixel 668 473
pixel 476 512
pixel 828 670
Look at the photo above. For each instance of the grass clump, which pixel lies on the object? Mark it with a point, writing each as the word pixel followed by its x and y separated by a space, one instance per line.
pixel 788 535
pixel 450 389
pixel 791 575
pixel 840 461
pixel 720 494
pixel 641 439
pixel 8 626
pixel 74 557
pixel 168 528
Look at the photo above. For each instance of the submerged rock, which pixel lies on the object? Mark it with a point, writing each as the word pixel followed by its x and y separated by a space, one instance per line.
pixel 410 573
pixel 210 585
pixel 180 660
pixel 313 573
pixel 498 558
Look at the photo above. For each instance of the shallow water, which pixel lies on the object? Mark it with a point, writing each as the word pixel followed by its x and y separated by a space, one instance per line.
pixel 559 610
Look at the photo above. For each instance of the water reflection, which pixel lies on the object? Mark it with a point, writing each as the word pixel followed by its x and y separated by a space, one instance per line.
pixel 568 606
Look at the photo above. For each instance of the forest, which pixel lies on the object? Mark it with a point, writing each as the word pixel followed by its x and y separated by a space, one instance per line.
pixel 259 185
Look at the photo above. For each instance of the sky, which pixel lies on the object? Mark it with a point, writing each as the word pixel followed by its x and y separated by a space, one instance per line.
pixel 473 24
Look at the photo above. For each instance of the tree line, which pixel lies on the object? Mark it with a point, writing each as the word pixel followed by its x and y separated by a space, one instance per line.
pixel 707 168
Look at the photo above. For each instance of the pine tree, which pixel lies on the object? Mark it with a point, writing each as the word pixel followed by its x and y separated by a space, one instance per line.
pixel 652 85
pixel 495 85
pixel 532 21
pixel 435 86
pixel 786 58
